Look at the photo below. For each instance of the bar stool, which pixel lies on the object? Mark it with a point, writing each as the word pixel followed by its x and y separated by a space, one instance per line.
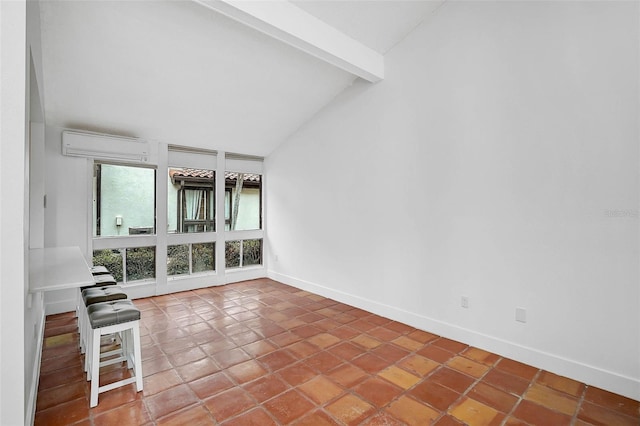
pixel 99 280
pixel 90 296
pixel 122 317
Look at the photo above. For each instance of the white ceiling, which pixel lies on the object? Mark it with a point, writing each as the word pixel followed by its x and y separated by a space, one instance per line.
pixel 180 73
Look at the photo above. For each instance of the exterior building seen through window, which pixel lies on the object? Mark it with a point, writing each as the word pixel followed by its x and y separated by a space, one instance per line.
pixel 124 199
pixel 242 201
pixel 191 200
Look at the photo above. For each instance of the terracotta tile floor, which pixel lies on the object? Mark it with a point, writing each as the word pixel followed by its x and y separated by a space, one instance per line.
pixel 263 353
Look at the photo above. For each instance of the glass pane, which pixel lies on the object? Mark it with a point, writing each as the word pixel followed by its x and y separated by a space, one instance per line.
pixel 110 259
pixel 191 200
pixel 251 252
pixel 178 259
pixel 232 254
pixel 203 255
pixel 245 204
pixel 124 200
pixel 141 263
pixel 227 209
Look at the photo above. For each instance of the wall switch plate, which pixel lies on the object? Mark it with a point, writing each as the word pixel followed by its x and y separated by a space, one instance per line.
pixel 521 315
pixel 464 302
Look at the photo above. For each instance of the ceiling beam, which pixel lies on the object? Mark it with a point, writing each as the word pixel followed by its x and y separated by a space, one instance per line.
pixel 290 24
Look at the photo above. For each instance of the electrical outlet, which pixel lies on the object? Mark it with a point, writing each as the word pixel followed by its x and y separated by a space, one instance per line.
pixel 464 302
pixel 521 315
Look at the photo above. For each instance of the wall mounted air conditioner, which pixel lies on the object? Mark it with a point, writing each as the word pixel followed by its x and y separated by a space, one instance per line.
pixel 104 147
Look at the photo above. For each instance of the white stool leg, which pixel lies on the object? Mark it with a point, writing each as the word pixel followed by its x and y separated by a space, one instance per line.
pixel 89 350
pixel 95 367
pixel 83 321
pixel 137 355
pixel 126 342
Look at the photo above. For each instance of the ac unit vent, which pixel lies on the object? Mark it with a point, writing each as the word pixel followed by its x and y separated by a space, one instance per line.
pixel 104 147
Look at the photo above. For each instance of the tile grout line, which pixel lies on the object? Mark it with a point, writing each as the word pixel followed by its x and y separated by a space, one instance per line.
pixel 521 397
pixel 574 419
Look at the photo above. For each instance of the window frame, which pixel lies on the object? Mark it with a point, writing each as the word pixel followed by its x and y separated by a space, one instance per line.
pixel 164 283
pixel 95 222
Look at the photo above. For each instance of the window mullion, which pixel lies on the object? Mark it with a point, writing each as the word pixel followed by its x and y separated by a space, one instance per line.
pixel 220 216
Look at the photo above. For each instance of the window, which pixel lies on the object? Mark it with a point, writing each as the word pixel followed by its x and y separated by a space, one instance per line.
pixel 124 200
pixel 242 201
pixel 128 264
pixel 191 200
pixel 241 253
pixel 186 259
pixel 140 263
pixel 212 203
pixel 112 260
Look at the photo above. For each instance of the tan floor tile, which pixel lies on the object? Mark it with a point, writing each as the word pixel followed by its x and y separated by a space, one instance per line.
pixel 350 409
pixel 321 389
pixel 467 366
pixel 399 377
pixel 472 413
pixel 560 383
pixel 422 336
pixel 412 412
pixel 483 357
pixel 595 414
pixel 493 397
pixel 407 343
pixel 347 375
pixel 419 364
pixel 538 415
pixel 288 406
pixel 377 391
pixel 302 349
pixel 366 342
pixel 197 415
pixel 612 401
pixel 161 381
pixel 551 398
pixel 317 418
pixel 323 340
pixel 246 371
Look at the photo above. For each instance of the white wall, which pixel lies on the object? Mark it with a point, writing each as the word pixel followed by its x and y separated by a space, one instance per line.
pixel 35 176
pixel 14 237
pixel 66 216
pixel 498 160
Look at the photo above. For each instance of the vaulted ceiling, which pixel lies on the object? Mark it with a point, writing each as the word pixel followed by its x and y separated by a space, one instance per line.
pixel 184 73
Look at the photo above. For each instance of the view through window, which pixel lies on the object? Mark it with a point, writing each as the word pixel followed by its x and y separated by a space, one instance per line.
pixel 124 200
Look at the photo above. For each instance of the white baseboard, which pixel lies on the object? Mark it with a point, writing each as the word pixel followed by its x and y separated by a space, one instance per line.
pixel 594 376
pixel 35 379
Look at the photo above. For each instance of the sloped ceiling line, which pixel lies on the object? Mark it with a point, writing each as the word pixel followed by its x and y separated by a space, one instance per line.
pixel 290 24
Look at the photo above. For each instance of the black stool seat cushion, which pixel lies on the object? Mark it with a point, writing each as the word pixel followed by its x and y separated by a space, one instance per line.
pixel 99 270
pixel 102 294
pixel 110 313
